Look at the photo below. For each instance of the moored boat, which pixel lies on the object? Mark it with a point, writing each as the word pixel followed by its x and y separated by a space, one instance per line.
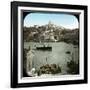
pixel 44 48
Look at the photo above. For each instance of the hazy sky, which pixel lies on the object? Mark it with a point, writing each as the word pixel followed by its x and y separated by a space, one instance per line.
pixel 65 20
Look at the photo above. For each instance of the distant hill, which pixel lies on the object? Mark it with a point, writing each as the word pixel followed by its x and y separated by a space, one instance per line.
pixel 51 33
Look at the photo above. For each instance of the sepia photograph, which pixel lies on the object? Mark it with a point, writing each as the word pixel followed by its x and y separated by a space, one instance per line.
pixel 51 44
pixel 48 44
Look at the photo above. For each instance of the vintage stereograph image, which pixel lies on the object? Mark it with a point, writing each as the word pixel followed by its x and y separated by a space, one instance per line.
pixel 50 44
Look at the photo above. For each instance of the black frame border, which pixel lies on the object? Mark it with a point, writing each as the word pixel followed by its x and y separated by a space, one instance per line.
pixel 14 44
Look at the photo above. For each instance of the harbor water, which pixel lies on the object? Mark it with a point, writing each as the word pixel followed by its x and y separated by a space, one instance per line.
pixel 57 55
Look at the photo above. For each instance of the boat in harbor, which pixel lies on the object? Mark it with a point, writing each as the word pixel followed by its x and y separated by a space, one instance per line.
pixel 68 52
pixel 44 47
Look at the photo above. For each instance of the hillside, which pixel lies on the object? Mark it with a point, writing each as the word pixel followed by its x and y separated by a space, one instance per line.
pixel 50 33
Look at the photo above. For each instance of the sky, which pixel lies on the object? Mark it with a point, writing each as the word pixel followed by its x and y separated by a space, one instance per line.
pixel 60 19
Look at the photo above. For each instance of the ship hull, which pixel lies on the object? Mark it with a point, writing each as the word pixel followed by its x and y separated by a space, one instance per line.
pixel 44 48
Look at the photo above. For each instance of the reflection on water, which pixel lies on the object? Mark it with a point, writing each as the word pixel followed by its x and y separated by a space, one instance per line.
pixel 57 56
